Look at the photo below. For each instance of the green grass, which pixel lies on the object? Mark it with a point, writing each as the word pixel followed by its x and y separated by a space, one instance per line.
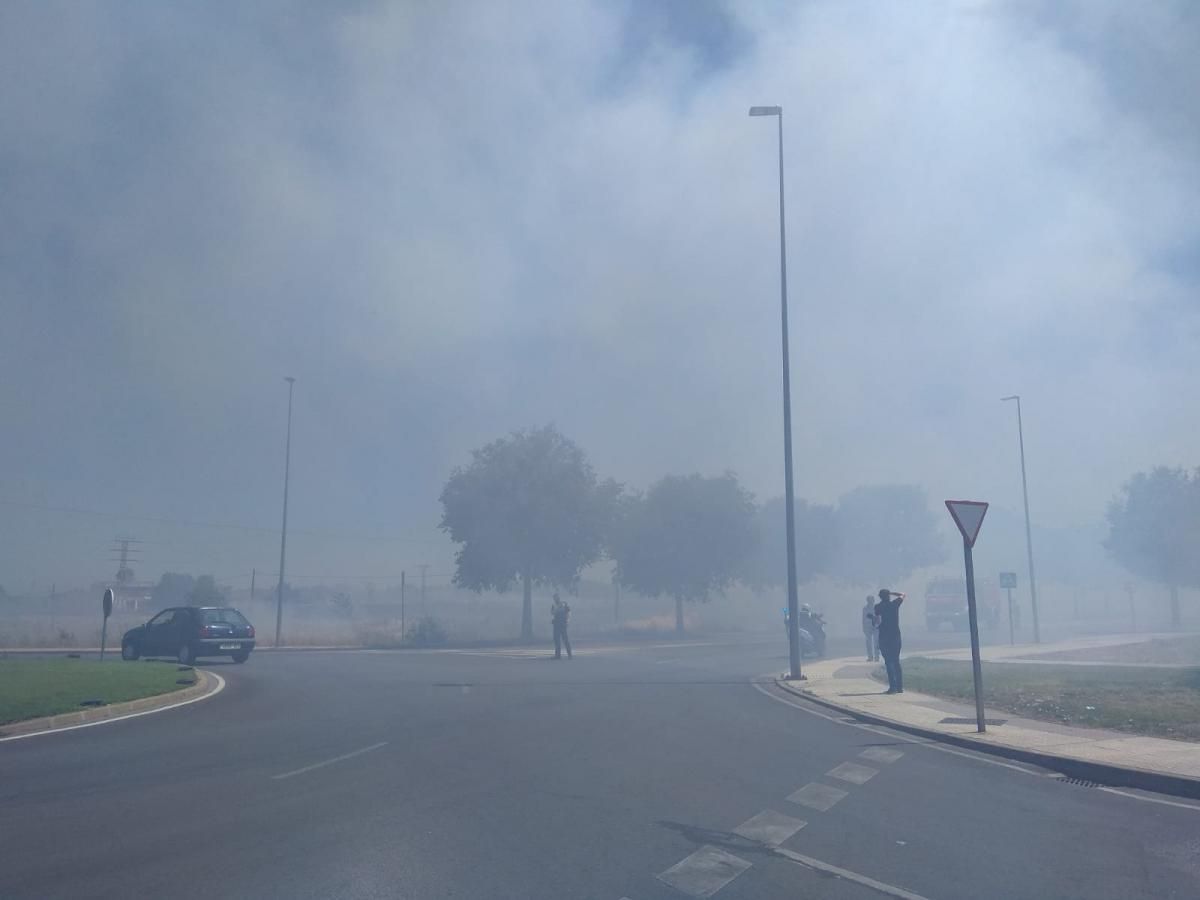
pixel 47 686
pixel 1178 651
pixel 1157 702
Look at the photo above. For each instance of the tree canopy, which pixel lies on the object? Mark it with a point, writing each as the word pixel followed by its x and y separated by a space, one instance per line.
pixel 1154 529
pixel 528 508
pixel 687 537
pixel 816 543
pixel 885 533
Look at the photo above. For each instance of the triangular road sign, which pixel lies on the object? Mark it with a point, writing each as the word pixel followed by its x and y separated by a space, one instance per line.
pixel 968 516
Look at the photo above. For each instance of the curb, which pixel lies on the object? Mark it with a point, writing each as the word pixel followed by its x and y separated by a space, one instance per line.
pixel 1101 773
pixel 207 685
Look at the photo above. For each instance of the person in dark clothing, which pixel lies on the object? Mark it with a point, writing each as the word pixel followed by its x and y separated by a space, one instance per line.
pixel 887 613
pixel 560 614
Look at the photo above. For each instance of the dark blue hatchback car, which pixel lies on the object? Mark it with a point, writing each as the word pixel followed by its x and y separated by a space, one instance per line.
pixel 190 632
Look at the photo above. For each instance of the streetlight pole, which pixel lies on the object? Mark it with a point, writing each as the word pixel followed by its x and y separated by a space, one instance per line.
pixel 287 465
pixel 794 672
pixel 1037 635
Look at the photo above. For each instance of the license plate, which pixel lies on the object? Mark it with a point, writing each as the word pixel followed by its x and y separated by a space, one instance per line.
pixel 231 646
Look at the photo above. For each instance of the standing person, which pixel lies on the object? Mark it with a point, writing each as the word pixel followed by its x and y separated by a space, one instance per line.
pixel 870 627
pixel 887 613
pixel 560 614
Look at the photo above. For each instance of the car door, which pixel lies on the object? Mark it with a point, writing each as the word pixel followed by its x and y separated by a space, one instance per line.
pixel 159 633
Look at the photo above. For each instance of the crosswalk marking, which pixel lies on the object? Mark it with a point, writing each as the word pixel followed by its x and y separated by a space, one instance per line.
pixel 853 773
pixel 769 827
pixel 881 754
pixel 820 797
pixel 704 872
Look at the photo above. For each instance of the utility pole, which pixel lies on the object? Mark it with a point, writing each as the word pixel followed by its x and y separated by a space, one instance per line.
pixel 424 569
pixel 53 604
pixel 794 672
pixel 1037 633
pixel 287 465
pixel 402 631
pixel 253 572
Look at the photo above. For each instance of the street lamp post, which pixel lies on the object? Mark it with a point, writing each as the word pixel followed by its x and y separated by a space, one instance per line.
pixel 1037 636
pixel 287 464
pixel 794 672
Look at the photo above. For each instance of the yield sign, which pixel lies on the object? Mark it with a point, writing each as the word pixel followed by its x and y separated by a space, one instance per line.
pixel 968 516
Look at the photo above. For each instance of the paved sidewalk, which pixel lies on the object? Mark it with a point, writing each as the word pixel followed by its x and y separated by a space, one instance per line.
pixel 847 684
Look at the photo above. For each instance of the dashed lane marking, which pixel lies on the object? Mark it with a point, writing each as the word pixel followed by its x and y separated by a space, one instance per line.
pixel 853 773
pixel 881 754
pixel 330 762
pixel 704 872
pixel 820 797
pixel 769 827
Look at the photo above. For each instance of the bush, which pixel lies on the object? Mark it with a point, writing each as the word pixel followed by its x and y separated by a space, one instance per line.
pixel 426 633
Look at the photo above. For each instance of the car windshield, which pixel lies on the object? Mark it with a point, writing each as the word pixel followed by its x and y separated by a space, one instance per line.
pixel 222 617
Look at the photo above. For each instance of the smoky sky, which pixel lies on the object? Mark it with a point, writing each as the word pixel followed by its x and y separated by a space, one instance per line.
pixel 450 220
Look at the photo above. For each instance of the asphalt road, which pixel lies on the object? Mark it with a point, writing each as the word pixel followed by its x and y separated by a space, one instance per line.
pixel 497 774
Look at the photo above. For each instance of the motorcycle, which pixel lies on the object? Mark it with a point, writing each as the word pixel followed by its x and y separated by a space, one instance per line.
pixel 811 631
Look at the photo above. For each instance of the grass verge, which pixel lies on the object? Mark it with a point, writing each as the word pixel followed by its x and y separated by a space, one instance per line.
pixel 48 686
pixel 1177 651
pixel 1156 702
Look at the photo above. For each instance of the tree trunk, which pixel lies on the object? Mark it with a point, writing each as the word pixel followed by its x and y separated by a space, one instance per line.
pixel 1176 621
pixel 679 615
pixel 527 609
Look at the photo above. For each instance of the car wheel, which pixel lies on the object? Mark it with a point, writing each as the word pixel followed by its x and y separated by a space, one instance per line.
pixel 241 657
pixel 129 651
pixel 187 655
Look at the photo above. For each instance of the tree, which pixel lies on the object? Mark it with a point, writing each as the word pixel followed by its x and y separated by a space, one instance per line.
pixel 173 589
pixel 528 508
pixel 687 537
pixel 816 543
pixel 885 533
pixel 1154 529
pixel 205 592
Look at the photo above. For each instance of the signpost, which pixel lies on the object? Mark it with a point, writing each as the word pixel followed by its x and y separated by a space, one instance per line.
pixel 105 604
pixel 968 516
pixel 1008 581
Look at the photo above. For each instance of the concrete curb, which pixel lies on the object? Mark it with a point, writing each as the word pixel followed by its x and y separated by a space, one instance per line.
pixel 207 685
pixel 1101 773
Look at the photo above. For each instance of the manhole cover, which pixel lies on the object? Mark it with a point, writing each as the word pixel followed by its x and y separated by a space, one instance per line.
pixel 961 720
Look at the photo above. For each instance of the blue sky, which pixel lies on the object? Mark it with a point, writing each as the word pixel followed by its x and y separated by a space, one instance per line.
pixel 451 220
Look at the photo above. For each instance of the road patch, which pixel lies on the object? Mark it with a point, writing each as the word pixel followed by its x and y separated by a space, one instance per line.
pixel 704 872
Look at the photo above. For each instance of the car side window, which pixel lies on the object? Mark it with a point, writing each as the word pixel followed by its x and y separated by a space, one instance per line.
pixel 163 618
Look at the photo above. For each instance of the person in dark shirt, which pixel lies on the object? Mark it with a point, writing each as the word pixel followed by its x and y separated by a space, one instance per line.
pixel 560 615
pixel 887 612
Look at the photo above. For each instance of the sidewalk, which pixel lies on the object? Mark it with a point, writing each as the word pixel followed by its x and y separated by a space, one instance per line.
pixel 1109 757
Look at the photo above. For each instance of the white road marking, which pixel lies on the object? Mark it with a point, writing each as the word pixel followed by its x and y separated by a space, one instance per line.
pixel 820 797
pixel 930 744
pixel 145 712
pixel 770 828
pixel 330 762
pixel 704 872
pixel 881 754
pixel 889 890
pixel 853 773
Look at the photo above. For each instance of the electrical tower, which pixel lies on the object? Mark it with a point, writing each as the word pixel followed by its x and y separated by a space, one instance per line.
pixel 125 550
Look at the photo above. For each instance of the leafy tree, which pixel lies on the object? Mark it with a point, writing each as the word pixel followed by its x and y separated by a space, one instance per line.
pixel 1154 529
pixel 816 543
pixel 528 508
pixel 687 537
pixel 885 533
pixel 205 592
pixel 173 589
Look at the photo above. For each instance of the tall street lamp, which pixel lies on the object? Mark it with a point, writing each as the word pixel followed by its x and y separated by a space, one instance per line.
pixel 287 464
pixel 1037 636
pixel 794 672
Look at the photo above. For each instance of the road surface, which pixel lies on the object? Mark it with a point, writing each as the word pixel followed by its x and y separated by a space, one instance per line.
pixel 649 772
